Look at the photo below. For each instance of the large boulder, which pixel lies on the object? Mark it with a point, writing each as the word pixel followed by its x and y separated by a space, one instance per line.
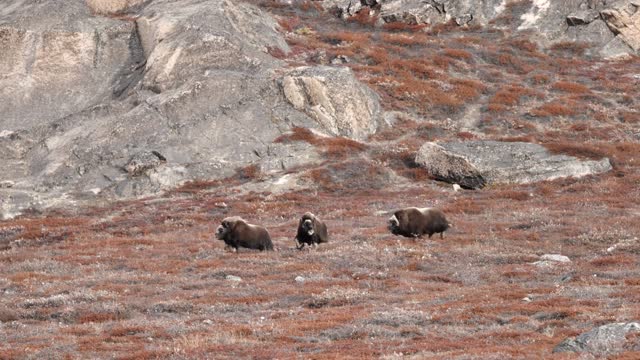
pixel 339 103
pixel 604 340
pixel 623 18
pixel 447 166
pixel 501 162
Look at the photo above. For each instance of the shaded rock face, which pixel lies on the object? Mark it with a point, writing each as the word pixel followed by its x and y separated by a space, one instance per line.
pixel 82 95
pixel 57 60
pixel 334 98
pixel 604 340
pixel 450 167
pixel 501 162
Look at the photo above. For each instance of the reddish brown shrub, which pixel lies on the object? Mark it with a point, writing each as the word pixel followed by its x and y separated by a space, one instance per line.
pixel 513 195
pixel 364 17
pixel 466 135
pixel 539 79
pixel 405 39
pixel 630 117
pixel 569 48
pixel 97 317
pixel 289 23
pixel 579 127
pixel 580 150
pixel 307 5
pixel 276 52
pixel 272 4
pixel 249 172
pixel 346 36
pixel 570 87
pixel 467 89
pixel 378 56
pixel 401 26
pixel 458 54
pixel 442 61
pixel 614 260
pixel 524 45
pixel 419 68
pixel 553 109
pixel 197 186
pixel 340 148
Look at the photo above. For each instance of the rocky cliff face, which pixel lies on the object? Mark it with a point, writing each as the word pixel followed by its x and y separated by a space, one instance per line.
pixel 183 92
pixel 612 26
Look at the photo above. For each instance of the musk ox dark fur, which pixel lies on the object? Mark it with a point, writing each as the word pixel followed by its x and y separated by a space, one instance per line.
pixel 311 231
pixel 236 232
pixel 415 222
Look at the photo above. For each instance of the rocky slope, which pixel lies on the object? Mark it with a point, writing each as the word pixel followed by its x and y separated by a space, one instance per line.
pixel 104 99
pixel 84 94
pixel 613 27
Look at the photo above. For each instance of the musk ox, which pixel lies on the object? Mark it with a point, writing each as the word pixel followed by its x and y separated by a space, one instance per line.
pixel 236 232
pixel 415 222
pixel 311 231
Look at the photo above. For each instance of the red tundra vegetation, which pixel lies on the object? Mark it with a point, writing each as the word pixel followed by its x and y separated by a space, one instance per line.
pixel 146 279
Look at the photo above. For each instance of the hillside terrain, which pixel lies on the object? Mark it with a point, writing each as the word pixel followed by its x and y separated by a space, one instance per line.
pixel 130 129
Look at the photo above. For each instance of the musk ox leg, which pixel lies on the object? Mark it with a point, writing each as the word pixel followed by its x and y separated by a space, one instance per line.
pixel 442 235
pixel 299 245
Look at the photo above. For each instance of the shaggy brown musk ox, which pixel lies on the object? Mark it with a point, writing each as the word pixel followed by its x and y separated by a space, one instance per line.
pixel 415 222
pixel 236 232
pixel 311 231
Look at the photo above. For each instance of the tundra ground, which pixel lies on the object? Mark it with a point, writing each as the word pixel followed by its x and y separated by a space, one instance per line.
pixel 146 279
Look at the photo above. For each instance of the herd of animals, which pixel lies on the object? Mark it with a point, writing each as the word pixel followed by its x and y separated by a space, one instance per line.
pixel 409 222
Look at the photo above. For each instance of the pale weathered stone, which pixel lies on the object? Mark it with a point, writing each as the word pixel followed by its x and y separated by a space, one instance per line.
pixel 604 340
pixel 501 162
pixel 624 19
pixel 334 98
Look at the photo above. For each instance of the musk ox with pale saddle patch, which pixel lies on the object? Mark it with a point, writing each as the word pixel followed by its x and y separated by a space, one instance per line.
pixel 415 222
pixel 236 232
pixel 311 231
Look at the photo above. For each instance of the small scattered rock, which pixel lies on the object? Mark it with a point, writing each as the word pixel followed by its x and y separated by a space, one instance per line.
pixel 456 187
pixel 582 17
pixel 603 341
pixel 143 161
pixel 464 19
pixel 6 184
pixel 555 257
pixel 233 278
pixel 6 133
pixel 551 260
pixel 300 279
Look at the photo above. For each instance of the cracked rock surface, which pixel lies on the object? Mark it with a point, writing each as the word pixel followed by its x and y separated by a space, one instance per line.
pixel 83 92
